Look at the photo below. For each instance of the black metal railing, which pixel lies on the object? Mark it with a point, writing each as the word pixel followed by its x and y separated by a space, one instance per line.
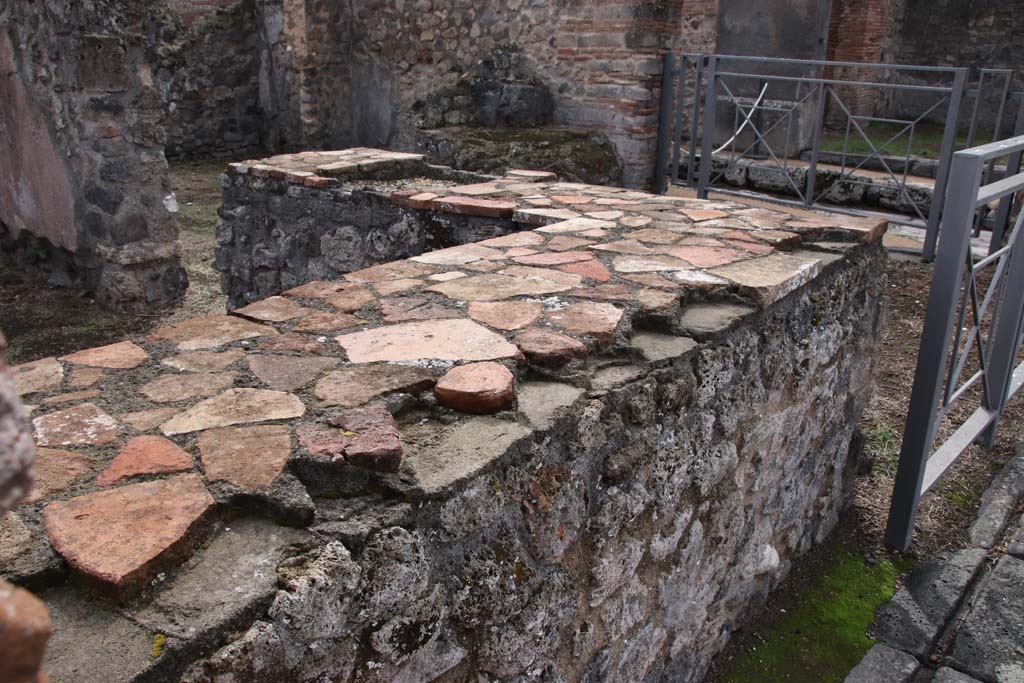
pixel 781 108
pixel 972 330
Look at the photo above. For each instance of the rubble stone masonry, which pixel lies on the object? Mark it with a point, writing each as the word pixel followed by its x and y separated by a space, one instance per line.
pixel 82 174
pixel 580 450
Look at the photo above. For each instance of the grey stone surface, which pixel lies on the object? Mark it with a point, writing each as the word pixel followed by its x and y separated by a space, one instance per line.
pixel 26 556
pixel 990 643
pixel 703 320
pixel 947 675
pixel 1017 540
pixel 92 643
pixel 659 347
pixel 541 402
pixel 998 504
pixel 914 618
pixel 225 586
pixel 458 453
pixel 884 665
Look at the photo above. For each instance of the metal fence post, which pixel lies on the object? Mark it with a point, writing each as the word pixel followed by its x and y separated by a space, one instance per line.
pixel 677 127
pixel 956 96
pixel 695 120
pixel 664 124
pixel 707 140
pixel 1005 336
pixel 819 125
pixel 931 360
pixel 1013 165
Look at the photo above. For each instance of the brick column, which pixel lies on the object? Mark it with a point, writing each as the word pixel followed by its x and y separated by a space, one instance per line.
pixel 862 31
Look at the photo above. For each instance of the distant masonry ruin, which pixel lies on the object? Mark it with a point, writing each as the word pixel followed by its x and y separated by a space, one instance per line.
pixel 96 95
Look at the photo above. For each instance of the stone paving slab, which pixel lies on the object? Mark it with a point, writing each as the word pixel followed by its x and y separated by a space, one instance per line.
pixel 947 675
pixel 990 643
pixel 884 665
pixel 963 611
pixel 916 615
pixel 998 504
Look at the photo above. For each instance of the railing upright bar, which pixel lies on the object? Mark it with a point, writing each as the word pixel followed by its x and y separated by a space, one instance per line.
pixel 819 125
pixel 707 141
pixel 698 82
pixel 997 131
pixel 931 360
pixel 677 129
pixel 945 159
pixel 664 121
pixel 1006 336
pixel 1013 166
pixel 972 129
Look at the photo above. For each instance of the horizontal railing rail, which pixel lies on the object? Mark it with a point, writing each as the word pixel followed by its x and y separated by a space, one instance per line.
pixel 781 109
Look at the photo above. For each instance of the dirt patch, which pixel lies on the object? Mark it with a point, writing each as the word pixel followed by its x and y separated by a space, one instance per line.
pixel 41 321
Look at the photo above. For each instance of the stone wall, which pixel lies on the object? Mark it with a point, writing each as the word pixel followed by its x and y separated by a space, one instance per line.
pixel 375 71
pixel 620 536
pixel 83 174
pixel 210 81
pixel 583 450
pixel 274 234
pixel 192 11
pixel 975 35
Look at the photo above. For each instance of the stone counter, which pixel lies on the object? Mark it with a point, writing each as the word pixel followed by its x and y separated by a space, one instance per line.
pixel 581 450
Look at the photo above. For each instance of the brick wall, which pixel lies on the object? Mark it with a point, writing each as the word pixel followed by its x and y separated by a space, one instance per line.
pixel 862 31
pixel 373 72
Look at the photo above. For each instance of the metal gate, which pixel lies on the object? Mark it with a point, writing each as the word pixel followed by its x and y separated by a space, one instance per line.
pixel 780 109
pixel 972 330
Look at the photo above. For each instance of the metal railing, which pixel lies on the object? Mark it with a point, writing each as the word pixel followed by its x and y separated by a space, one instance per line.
pixel 800 94
pixel 972 328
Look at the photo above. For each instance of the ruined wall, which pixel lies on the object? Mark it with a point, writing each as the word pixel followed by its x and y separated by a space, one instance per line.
pixel 620 537
pixel 83 174
pixel 977 35
pixel 983 33
pixel 210 80
pixel 274 235
pixel 373 72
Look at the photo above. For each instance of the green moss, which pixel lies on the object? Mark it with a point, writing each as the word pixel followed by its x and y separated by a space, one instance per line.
pixel 927 140
pixel 965 495
pixel 159 643
pixel 823 634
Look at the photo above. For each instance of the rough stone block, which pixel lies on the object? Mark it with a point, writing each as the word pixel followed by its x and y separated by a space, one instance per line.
pixel 884 665
pixel 916 615
pixel 998 504
pixel 224 587
pixel 990 643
